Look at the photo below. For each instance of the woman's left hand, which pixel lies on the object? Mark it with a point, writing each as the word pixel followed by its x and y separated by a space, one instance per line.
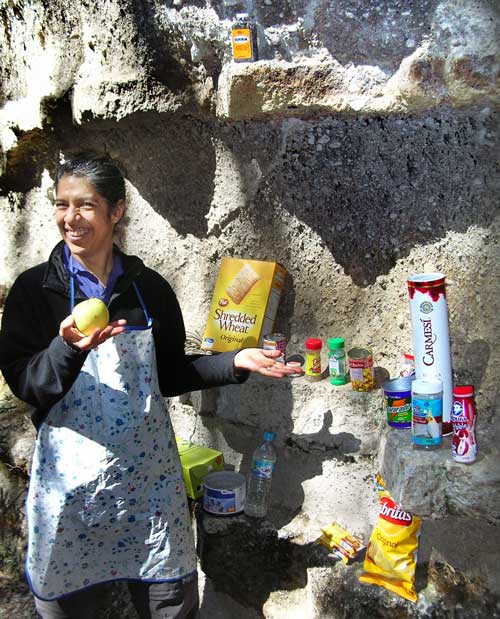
pixel 263 362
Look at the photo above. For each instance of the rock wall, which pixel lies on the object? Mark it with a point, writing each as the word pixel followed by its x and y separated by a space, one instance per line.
pixel 362 147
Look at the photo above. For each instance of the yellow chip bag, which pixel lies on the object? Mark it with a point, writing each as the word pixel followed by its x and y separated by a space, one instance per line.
pixel 391 555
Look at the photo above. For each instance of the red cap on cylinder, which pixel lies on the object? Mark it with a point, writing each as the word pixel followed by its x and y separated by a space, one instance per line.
pixel 314 343
pixel 463 391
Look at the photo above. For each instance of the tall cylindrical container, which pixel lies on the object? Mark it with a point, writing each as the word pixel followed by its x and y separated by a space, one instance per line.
pixel 431 337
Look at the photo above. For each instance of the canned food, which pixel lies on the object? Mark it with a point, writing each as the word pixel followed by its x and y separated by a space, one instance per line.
pixel 224 493
pixel 275 341
pixel 297 366
pixel 397 398
pixel 361 369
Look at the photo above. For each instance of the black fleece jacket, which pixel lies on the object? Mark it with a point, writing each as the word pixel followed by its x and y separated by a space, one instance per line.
pixel 40 368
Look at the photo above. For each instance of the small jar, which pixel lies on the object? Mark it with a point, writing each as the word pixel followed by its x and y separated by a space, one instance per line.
pixel 313 358
pixel 427 413
pixel 337 361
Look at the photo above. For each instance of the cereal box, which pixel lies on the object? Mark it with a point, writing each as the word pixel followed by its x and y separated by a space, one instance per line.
pixel 244 304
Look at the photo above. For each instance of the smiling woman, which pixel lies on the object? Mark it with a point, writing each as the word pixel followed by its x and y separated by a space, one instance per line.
pixel 106 425
pixel 86 223
pixel 90 200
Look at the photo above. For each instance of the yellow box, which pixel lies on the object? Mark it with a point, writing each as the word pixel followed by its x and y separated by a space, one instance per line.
pixel 244 304
pixel 197 462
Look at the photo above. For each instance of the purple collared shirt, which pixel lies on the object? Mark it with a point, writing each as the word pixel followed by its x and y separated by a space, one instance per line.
pixel 87 282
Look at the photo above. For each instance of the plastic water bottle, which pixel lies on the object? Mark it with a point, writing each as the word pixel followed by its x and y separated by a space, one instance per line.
pixel 259 483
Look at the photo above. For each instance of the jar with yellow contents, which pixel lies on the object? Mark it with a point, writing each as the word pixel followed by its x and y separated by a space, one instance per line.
pixel 313 359
pixel 361 369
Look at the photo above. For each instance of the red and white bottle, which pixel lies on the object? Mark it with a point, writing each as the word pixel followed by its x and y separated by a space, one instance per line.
pixel 463 418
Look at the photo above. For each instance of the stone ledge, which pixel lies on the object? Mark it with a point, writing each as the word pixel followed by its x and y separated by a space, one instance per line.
pixel 433 485
pixel 321 85
pixel 313 416
pixel 263 568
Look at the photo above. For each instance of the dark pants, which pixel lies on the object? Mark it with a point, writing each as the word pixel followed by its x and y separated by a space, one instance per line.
pixel 166 600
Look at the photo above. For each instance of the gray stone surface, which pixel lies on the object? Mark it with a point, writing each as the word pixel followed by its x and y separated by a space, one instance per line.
pixel 432 485
pixel 251 561
pixel 343 56
pixel 375 155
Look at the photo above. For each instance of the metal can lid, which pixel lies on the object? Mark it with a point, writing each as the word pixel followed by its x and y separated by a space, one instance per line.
pixel 398 385
pixel 426 278
pixel 224 480
pixel 359 353
pixel 334 343
pixel 275 337
pixel 426 386
pixel 463 390
pixel 314 343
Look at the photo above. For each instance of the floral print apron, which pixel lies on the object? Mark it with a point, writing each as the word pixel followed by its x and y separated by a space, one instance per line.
pixel 106 498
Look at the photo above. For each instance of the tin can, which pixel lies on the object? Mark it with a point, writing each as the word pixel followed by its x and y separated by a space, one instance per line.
pixel 297 366
pixel 361 369
pixel 225 493
pixel 275 341
pixel 397 399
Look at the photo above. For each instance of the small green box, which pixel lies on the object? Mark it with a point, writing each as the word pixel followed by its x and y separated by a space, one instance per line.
pixel 197 462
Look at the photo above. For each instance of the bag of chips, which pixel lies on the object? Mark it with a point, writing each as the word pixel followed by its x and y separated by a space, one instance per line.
pixel 391 555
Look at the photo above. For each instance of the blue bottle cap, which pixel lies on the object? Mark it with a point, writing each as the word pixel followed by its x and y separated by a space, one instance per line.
pixel 269 436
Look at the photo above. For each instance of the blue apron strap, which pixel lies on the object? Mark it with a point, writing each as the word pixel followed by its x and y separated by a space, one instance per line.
pixel 71 284
pixel 149 320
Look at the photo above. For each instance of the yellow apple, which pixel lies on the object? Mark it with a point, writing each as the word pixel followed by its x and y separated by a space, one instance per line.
pixel 90 315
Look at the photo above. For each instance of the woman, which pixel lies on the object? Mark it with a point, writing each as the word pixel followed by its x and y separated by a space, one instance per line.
pixel 106 499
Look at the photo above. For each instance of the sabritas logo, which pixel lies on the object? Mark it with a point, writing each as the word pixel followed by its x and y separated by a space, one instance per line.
pixel 392 513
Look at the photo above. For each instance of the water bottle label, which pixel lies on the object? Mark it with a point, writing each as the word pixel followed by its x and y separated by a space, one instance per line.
pixel 427 421
pixel 263 469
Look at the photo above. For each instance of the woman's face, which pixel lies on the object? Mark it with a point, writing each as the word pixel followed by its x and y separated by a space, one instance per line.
pixel 83 217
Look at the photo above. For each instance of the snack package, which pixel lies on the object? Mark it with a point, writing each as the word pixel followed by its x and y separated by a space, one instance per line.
pixel 391 556
pixel 340 542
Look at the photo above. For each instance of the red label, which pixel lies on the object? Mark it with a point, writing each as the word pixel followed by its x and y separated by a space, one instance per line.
pixel 361 363
pixel 391 512
pixel 433 289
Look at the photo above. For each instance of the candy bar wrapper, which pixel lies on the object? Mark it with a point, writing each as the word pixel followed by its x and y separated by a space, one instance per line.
pixel 340 542
pixel 431 338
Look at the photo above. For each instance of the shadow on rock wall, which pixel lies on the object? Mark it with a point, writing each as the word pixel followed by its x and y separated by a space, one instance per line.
pixel 171 163
pixel 241 414
pixel 373 188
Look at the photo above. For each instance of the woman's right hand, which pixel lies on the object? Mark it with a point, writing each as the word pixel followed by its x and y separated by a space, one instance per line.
pixel 73 337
